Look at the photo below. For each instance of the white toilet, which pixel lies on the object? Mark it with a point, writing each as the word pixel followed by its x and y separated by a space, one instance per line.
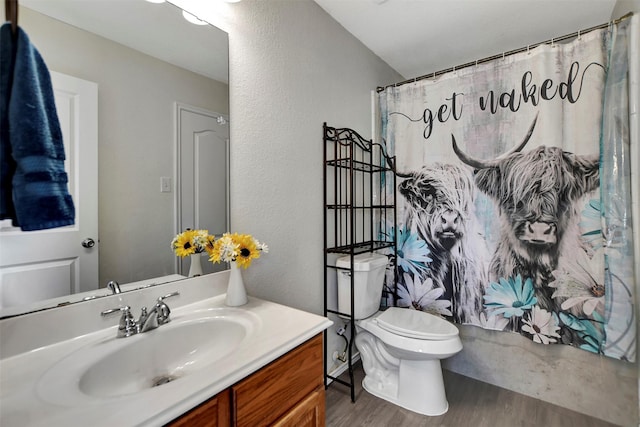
pixel 400 348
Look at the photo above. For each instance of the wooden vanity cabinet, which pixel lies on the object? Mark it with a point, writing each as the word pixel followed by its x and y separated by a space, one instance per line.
pixel 288 392
pixel 282 389
pixel 212 413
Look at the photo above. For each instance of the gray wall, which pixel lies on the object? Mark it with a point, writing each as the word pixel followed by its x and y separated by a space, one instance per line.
pixel 292 67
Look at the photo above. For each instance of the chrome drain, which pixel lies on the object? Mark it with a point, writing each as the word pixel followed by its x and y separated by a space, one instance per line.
pixel 163 379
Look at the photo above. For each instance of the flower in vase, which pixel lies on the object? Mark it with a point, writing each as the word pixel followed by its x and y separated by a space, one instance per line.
pixel 191 242
pixel 241 248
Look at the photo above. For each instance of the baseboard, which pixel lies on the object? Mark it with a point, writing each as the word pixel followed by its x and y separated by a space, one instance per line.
pixel 342 368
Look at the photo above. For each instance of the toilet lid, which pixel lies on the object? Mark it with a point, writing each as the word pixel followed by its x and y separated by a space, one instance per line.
pixel 416 324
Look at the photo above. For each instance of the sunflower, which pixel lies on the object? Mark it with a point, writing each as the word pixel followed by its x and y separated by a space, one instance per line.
pixel 209 242
pixel 191 242
pixel 241 248
pixel 247 249
pixel 183 244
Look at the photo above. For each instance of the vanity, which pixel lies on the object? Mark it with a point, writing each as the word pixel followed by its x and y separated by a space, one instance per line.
pixel 287 392
pixel 259 364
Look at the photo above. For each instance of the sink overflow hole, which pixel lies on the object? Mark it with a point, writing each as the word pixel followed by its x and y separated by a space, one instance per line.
pixel 163 379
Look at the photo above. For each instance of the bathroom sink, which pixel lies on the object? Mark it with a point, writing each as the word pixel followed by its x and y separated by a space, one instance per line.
pixel 117 367
pixel 161 356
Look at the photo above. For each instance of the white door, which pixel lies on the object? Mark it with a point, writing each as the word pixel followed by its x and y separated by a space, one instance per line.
pixel 202 171
pixel 37 265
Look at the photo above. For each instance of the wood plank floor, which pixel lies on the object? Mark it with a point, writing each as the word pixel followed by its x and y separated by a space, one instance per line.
pixel 471 403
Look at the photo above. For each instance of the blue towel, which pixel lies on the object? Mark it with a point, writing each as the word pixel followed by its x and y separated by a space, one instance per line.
pixel 34 183
pixel 7 164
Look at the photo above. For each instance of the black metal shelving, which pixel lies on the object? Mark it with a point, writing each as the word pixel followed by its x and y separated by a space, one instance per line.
pixel 359 216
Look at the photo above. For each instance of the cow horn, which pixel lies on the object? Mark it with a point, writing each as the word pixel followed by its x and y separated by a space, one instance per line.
pixel 473 162
pixel 391 161
pixel 482 164
pixel 520 146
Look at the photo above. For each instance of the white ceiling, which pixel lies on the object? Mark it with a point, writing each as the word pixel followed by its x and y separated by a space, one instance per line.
pixel 419 37
pixel 415 37
pixel 143 26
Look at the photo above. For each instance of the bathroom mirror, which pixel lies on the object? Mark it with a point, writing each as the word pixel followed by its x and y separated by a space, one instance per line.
pixel 177 66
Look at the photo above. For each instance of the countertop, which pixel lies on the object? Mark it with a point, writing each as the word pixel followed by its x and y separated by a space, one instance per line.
pixel 23 377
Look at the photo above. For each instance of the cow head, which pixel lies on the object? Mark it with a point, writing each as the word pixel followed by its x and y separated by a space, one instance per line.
pixel 535 190
pixel 440 197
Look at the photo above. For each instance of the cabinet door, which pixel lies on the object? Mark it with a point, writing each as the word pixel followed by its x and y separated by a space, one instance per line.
pixel 215 412
pixel 308 413
pixel 267 395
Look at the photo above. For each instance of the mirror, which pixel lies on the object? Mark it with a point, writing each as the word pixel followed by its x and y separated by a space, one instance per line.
pixel 148 62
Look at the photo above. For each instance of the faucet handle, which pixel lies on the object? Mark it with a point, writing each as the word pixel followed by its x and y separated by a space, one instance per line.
pixel 124 309
pixel 127 325
pixel 163 310
pixel 172 294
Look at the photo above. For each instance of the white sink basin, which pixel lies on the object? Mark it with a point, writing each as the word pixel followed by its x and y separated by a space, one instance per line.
pixel 118 367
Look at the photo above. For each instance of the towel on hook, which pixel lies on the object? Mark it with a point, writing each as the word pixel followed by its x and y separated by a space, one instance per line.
pixel 7 164
pixel 34 191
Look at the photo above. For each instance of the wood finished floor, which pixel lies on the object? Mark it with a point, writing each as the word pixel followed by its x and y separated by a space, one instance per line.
pixel 471 403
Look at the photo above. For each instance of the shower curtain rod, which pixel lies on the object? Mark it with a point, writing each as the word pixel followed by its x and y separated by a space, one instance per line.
pixel 509 53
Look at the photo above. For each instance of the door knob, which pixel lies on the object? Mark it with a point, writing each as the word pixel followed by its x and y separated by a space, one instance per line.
pixel 88 243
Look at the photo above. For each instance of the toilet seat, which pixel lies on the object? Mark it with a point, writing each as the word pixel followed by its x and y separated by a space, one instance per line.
pixel 415 324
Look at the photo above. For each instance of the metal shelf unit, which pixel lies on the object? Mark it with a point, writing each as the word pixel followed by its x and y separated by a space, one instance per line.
pixel 359 217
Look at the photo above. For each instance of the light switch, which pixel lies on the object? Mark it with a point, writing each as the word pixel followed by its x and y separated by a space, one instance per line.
pixel 165 184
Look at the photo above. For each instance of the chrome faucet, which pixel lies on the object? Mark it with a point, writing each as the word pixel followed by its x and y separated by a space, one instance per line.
pixel 159 314
pixel 127 325
pixel 114 287
pixel 148 320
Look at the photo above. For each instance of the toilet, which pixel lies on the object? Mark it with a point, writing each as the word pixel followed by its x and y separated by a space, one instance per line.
pixel 400 348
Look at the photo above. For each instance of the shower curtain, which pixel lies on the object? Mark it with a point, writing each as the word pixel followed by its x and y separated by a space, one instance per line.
pixel 514 193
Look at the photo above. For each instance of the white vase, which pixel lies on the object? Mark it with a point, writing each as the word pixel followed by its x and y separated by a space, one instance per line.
pixel 195 269
pixel 236 294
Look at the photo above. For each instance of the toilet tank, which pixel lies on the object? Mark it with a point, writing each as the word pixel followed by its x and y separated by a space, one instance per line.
pixel 368 271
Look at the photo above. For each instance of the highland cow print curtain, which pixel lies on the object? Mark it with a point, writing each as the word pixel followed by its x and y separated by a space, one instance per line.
pixel 513 194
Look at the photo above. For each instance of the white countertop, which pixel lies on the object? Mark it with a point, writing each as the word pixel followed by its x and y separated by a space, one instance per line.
pixel 278 329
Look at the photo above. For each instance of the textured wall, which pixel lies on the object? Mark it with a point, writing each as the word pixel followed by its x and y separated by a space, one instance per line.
pixel 292 67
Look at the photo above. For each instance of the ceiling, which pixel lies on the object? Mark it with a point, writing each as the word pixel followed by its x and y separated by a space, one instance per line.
pixel 420 37
pixel 142 26
pixel 415 37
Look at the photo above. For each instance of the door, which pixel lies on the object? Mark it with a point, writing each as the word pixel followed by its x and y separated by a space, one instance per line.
pixel 37 265
pixel 202 170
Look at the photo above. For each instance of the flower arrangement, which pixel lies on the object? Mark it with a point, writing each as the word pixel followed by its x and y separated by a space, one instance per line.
pixel 191 242
pixel 241 248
